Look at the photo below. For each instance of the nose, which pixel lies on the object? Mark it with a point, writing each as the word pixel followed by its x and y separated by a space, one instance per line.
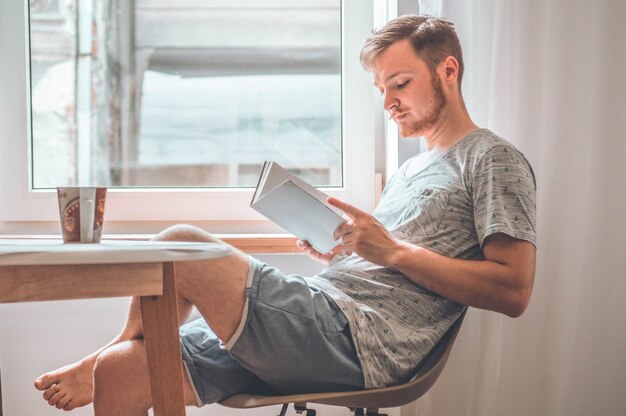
pixel 389 101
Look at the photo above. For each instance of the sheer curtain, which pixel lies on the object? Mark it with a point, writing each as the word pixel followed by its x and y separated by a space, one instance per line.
pixel 549 76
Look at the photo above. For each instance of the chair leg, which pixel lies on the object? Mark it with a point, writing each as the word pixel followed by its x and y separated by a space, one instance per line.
pixel 358 411
pixel 301 407
pixel 283 410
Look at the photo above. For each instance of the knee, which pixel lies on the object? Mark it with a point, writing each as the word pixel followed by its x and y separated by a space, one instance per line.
pixel 120 364
pixel 112 363
pixel 185 232
pixel 121 372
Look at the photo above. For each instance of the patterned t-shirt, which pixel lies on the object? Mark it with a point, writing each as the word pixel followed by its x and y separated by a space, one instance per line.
pixel 481 186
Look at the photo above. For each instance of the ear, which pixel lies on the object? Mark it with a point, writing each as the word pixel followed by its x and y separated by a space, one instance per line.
pixel 449 69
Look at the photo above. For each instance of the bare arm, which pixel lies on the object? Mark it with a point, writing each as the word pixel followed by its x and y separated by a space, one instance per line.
pixel 502 282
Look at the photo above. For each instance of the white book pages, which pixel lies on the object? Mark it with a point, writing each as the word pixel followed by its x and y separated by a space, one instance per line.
pixel 272 175
pixel 300 213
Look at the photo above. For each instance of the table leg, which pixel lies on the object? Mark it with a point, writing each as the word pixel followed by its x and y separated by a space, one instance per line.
pixel 160 327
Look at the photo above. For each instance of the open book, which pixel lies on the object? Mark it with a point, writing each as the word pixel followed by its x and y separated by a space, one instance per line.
pixel 296 206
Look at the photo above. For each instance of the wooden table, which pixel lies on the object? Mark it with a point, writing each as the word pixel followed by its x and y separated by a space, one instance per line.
pixel 39 270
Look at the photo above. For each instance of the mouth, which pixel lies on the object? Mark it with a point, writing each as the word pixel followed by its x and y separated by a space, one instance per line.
pixel 397 117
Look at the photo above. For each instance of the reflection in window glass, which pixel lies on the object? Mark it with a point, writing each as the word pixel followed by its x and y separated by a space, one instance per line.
pixel 53 80
pixel 186 94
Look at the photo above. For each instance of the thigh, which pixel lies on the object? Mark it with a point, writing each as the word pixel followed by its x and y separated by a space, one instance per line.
pixel 214 286
pixel 294 336
pixel 214 374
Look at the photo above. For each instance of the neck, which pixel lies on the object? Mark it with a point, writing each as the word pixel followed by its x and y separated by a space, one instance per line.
pixel 452 127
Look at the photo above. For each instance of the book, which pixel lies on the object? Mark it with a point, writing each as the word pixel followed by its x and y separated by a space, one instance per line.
pixel 296 206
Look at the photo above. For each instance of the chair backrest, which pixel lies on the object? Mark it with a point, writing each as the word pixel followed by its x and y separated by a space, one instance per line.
pixel 429 370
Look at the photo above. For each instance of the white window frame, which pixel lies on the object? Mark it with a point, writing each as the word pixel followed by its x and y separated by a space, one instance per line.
pixel 19 203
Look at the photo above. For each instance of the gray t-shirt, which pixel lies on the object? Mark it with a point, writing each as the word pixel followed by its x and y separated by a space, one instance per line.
pixel 481 186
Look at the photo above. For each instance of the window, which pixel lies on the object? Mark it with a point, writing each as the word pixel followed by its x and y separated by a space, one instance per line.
pixel 118 102
pixel 177 104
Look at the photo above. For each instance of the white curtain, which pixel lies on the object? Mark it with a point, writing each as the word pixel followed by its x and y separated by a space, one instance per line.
pixel 550 76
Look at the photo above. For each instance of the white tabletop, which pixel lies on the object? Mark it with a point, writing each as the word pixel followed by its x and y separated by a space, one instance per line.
pixel 52 252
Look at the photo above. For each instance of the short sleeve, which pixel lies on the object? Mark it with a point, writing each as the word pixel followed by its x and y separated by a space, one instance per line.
pixel 504 195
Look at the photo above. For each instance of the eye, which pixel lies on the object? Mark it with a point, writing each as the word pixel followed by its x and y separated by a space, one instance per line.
pixel 402 85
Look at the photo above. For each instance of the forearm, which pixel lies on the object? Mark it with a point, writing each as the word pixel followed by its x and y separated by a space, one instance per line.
pixel 502 282
pixel 485 284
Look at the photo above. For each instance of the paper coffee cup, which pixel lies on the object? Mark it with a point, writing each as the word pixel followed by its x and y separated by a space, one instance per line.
pixel 81 211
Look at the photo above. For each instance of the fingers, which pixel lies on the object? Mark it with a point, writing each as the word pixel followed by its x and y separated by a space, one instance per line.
pixel 307 247
pixel 342 230
pixel 352 211
pixel 311 251
pixel 317 255
pixel 347 245
pixel 337 250
pixel 344 233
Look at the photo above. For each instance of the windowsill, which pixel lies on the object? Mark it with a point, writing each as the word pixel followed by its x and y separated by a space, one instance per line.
pixel 248 243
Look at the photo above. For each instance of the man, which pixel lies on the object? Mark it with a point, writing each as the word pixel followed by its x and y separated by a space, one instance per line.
pixel 455 227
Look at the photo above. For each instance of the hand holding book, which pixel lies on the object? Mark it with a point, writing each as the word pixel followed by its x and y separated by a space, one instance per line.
pixel 364 235
pixel 316 255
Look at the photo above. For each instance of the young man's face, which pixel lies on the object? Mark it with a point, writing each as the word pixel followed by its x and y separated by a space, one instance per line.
pixel 413 96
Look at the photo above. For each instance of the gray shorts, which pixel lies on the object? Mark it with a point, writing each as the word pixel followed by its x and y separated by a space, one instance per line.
pixel 292 339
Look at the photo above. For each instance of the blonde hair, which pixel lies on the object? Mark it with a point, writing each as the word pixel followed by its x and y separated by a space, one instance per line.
pixel 433 40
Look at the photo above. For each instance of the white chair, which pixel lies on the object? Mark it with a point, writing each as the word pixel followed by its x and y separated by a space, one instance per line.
pixel 359 400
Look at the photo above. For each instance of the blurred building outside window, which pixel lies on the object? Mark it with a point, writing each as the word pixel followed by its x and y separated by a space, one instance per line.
pixel 194 93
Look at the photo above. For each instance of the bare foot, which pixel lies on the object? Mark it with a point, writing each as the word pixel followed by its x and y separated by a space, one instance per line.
pixel 68 387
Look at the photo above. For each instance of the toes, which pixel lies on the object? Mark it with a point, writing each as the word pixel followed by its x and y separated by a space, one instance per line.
pixel 49 393
pixel 44 382
pixel 69 406
pixel 54 389
pixel 63 401
pixel 52 401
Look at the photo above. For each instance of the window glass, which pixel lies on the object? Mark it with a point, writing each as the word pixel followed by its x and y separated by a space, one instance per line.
pixel 194 93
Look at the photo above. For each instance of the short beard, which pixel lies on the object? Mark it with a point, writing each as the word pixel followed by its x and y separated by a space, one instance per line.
pixel 431 119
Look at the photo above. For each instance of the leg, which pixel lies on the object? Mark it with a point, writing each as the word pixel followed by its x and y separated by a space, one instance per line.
pixel 216 285
pixel 121 377
pixel 71 386
pixel 122 385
